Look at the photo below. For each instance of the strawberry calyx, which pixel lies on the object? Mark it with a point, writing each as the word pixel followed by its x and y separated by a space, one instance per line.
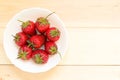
pixel 54 33
pixel 30 44
pixel 22 54
pixel 53 50
pixel 42 21
pixel 37 58
pixel 16 37
pixel 24 24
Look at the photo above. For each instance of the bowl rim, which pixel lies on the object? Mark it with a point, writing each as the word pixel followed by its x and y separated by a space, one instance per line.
pixel 24 10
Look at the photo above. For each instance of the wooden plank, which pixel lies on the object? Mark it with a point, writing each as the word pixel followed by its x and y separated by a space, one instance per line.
pixel 77 13
pixel 93 47
pixel 9 72
pixel 87 46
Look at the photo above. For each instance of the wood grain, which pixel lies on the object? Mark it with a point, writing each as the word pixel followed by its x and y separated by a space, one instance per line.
pixel 77 13
pixel 10 72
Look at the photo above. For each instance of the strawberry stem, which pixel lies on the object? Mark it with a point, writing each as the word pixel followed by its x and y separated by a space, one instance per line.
pixel 60 55
pixel 20 21
pixel 49 15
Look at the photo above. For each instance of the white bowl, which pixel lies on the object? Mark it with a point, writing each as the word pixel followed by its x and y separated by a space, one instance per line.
pixel 13 27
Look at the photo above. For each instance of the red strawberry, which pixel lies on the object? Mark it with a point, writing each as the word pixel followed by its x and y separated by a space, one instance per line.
pixel 20 38
pixel 25 52
pixel 51 47
pixel 36 41
pixel 42 24
pixel 40 56
pixel 28 27
pixel 53 34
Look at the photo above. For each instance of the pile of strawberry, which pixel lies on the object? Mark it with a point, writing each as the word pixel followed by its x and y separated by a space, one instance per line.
pixel 37 40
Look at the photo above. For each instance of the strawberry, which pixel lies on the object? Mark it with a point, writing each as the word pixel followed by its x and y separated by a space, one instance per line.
pixel 25 52
pixel 51 47
pixel 53 34
pixel 40 56
pixel 42 24
pixel 20 38
pixel 28 27
pixel 36 41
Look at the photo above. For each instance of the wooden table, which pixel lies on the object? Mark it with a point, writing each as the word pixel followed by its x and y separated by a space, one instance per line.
pixel 94 39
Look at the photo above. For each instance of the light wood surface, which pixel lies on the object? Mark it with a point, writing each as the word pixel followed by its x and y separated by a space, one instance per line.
pixel 63 73
pixel 94 39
